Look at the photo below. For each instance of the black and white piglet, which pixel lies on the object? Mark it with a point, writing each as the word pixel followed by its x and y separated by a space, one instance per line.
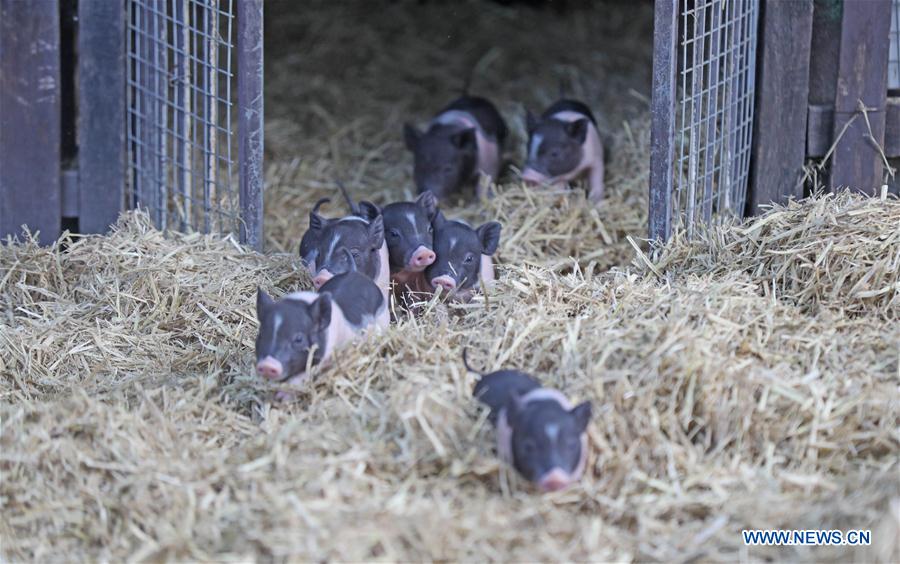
pixel 306 323
pixel 463 256
pixel 409 235
pixel 462 142
pixel 563 146
pixel 539 432
pixel 321 247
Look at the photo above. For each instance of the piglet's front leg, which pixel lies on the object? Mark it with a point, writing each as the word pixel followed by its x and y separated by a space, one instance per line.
pixel 595 183
pixel 296 383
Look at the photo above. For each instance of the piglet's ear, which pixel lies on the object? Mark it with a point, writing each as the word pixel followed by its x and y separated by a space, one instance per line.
pixel 376 232
pixel 582 414
pixel 320 312
pixel 577 129
pixel 531 122
pixel 411 136
pixel 428 202
pixel 438 220
pixel 316 221
pixel 263 301
pixel 513 409
pixel 464 139
pixel 489 235
pixel 368 210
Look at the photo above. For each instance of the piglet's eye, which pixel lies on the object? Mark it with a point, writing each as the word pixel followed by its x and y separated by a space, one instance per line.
pixel 395 233
pixel 528 447
pixel 469 259
pixel 299 339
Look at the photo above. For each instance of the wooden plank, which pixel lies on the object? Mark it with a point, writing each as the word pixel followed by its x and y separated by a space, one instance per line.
pixel 820 129
pixel 892 127
pixel 101 114
pixel 30 118
pixel 825 52
pixel 778 150
pixel 662 119
pixel 862 78
pixel 250 120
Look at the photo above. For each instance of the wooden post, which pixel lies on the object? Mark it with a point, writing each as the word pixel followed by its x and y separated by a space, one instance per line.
pixel 662 119
pixel 778 150
pixel 101 113
pixel 30 118
pixel 862 79
pixel 250 120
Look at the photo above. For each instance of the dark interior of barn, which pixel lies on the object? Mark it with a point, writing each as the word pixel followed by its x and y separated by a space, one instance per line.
pixel 341 78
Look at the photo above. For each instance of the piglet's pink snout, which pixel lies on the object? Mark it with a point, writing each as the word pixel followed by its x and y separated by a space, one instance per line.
pixel 531 176
pixel 422 257
pixel 270 368
pixel 555 480
pixel 321 278
pixel 445 282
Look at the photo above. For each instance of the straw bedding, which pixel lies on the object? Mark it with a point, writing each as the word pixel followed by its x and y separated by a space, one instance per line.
pixel 746 379
pixel 133 426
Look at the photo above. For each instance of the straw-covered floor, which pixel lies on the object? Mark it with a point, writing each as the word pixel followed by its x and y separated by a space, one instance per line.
pixel 726 395
pixel 746 379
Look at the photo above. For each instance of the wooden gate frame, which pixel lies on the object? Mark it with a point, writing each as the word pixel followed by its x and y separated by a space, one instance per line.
pixel 39 187
pixel 818 63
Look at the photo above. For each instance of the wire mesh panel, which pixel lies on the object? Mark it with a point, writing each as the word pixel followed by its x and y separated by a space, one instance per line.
pixel 182 115
pixel 702 111
pixel 894 52
pixel 717 63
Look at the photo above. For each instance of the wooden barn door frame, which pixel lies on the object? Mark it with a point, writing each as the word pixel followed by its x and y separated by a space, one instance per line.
pixel 101 114
pixel 63 151
pixel 39 185
pixel 820 60
pixel 30 133
pixel 778 151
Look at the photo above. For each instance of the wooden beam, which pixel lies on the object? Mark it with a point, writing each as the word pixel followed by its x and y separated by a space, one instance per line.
pixel 892 127
pixel 101 113
pixel 30 118
pixel 782 97
pixel 820 129
pixel 662 119
pixel 862 78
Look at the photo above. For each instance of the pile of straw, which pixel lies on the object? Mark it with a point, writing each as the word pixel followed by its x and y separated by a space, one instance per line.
pixel 837 252
pixel 135 428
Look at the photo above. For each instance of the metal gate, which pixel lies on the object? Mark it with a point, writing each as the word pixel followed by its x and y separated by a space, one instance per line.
pixel 702 111
pixel 195 128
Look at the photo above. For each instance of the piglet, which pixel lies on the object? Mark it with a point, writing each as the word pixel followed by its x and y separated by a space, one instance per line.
pixel 321 247
pixel 409 235
pixel 463 256
pixel 305 324
pixel 563 146
pixel 539 432
pixel 461 143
